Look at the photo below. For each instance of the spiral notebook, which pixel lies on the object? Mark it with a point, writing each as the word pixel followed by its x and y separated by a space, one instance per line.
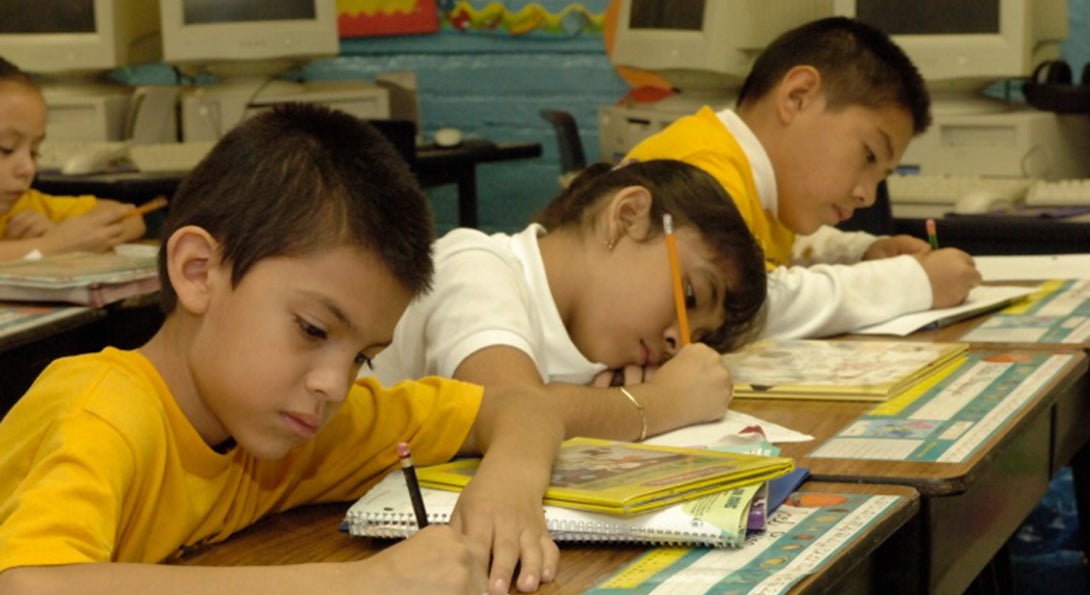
pixel 717 520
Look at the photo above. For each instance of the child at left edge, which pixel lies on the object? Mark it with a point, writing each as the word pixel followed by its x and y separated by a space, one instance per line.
pixel 30 220
pixel 289 253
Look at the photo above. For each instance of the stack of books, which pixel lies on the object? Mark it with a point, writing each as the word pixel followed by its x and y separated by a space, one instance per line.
pixel 84 278
pixel 603 490
pixel 838 370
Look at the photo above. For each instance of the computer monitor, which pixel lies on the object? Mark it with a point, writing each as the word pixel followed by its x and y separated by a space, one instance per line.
pixel 960 48
pixel 70 46
pixel 703 48
pixel 78 37
pixel 247 37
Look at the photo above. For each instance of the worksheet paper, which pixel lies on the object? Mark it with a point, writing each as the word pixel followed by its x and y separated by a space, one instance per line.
pixel 981 299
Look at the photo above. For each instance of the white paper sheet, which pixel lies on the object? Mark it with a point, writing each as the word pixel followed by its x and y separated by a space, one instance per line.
pixel 732 423
pixel 1034 267
pixel 981 299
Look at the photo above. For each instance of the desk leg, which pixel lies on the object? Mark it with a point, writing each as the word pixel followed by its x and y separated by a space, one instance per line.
pixel 467 198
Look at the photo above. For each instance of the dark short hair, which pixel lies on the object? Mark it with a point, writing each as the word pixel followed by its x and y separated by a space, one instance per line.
pixel 693 198
pixel 9 72
pixel 859 65
pixel 300 178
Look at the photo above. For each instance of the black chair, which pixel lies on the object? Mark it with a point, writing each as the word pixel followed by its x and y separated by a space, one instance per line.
pixel 572 158
pixel 402 135
pixel 876 219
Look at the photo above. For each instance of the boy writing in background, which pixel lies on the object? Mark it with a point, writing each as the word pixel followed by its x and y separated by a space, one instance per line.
pixel 288 256
pixel 823 117
pixel 30 220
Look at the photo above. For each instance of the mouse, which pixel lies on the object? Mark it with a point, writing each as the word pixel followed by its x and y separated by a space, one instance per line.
pixel 448 137
pixel 977 202
pixel 92 161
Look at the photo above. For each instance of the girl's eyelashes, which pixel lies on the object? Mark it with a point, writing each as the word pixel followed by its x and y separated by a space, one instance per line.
pixel 871 157
pixel 690 296
pixel 309 330
pixel 363 360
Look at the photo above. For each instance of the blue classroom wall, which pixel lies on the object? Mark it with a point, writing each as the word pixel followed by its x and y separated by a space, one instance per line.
pixel 492 85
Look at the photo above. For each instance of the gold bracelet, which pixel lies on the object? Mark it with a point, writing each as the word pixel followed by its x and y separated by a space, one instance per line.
pixel 643 415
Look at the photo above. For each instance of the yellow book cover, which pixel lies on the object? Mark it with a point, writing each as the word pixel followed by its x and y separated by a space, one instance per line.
pixel 625 478
pixel 839 370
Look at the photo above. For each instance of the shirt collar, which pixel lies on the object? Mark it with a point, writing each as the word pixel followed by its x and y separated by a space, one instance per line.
pixel 763 174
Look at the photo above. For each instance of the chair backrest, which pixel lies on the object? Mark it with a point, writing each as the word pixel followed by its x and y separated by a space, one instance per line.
pixel 402 135
pixel 572 158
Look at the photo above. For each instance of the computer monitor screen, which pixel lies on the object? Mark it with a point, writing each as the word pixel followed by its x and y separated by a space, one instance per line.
pixel 962 47
pixel 704 48
pixel 212 33
pixel 78 36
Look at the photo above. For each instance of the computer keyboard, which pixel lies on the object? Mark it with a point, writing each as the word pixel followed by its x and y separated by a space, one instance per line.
pixel 168 157
pixel 53 154
pixel 1062 193
pixel 947 189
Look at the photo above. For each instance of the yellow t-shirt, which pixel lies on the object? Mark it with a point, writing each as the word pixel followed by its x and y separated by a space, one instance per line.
pixel 56 208
pixel 704 141
pixel 99 463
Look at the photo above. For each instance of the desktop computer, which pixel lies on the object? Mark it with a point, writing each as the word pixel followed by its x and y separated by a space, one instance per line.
pixel 1022 143
pixel 206 114
pixel 93 117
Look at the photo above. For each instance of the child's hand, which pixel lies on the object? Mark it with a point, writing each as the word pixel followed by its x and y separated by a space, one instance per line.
pixel 25 225
pixel 625 376
pixel 692 387
pixel 501 515
pixel 895 246
pixel 435 560
pixel 952 274
pixel 95 231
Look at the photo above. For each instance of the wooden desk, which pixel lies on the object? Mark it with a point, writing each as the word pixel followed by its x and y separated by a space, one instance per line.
pixel 311 534
pixel 434 167
pixel 968 510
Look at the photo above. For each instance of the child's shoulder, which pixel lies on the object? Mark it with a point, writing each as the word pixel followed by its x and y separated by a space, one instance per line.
pixel 112 385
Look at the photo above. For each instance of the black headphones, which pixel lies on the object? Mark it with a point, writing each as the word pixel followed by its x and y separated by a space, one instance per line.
pixel 1051 88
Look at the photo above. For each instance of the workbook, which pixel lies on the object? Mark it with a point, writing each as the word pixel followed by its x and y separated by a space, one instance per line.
pixel 715 520
pixel 838 370
pixel 624 478
pixel 85 278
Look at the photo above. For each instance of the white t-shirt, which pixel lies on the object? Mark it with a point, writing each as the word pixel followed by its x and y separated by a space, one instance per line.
pixel 488 290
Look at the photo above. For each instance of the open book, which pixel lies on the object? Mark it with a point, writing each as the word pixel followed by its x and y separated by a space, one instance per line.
pixel 624 478
pixel 838 370
pixel 715 520
pixel 86 278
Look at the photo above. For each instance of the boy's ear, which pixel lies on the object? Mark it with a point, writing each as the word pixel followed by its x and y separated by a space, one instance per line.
pixel 193 258
pixel 799 90
pixel 629 214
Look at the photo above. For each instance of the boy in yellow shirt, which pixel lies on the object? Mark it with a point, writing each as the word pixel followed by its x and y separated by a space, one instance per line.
pixel 29 220
pixel 288 256
pixel 823 117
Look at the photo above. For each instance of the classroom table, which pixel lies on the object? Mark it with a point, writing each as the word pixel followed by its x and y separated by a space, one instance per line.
pixel 970 509
pixel 311 534
pixel 1070 415
pixel 434 166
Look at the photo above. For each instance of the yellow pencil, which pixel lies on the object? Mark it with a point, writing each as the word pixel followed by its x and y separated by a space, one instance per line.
pixel 675 274
pixel 154 204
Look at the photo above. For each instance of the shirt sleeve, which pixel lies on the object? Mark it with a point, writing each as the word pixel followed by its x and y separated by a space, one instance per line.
pixel 829 245
pixel 66 509
pixel 827 299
